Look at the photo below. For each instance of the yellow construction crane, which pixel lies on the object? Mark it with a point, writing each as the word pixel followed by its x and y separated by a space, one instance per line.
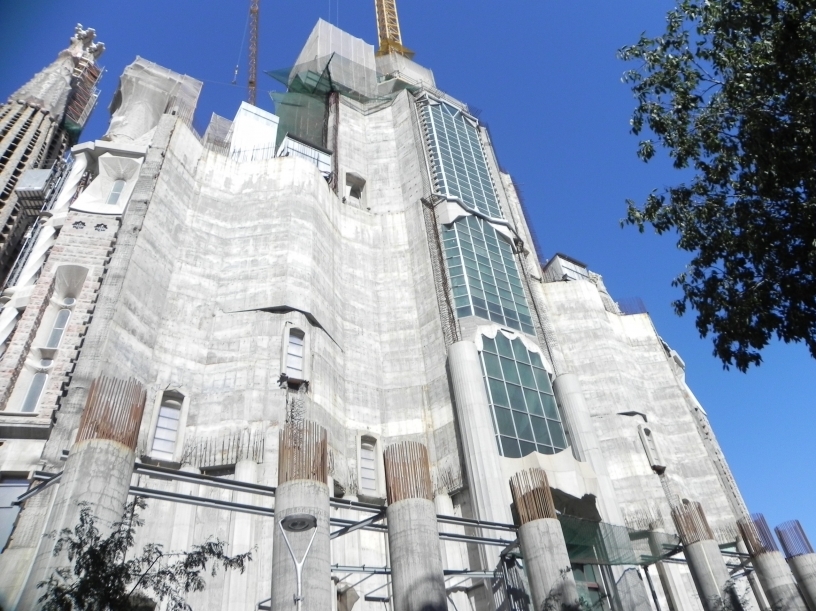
pixel 252 82
pixel 388 29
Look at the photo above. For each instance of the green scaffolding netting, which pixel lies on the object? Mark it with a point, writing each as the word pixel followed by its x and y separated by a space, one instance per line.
pixel 303 108
pixel 591 542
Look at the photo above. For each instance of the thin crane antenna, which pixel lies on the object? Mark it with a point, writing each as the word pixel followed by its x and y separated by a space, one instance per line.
pixel 252 83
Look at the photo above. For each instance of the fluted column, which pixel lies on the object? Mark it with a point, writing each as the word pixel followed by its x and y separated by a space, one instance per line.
pixel 801 558
pixel 485 480
pixel 542 542
pixel 97 472
pixel 302 496
pixel 703 555
pixel 774 574
pixel 417 578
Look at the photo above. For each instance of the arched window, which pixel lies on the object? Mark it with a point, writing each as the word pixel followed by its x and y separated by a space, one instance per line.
pixel 35 391
pixel 167 426
pixel 526 417
pixel 59 328
pixel 294 354
pixel 368 467
pixel 116 192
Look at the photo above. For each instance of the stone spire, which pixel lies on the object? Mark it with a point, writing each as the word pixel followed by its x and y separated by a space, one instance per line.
pixel 38 123
pixel 50 89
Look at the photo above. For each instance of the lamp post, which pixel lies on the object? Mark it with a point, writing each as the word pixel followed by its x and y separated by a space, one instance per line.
pixel 298 523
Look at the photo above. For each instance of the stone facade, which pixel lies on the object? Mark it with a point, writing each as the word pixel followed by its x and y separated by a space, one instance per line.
pixel 255 293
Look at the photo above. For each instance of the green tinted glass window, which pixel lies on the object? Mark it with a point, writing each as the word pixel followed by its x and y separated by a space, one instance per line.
pixel 532 422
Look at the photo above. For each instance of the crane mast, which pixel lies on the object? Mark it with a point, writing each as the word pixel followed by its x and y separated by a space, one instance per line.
pixel 252 83
pixel 388 29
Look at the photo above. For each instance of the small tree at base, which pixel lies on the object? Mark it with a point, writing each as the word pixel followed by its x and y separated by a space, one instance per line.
pixel 103 578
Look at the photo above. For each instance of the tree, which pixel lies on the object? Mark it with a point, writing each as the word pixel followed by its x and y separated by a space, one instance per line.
pixel 104 578
pixel 729 90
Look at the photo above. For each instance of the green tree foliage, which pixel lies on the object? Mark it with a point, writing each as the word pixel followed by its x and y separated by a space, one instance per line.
pixel 729 90
pixel 106 577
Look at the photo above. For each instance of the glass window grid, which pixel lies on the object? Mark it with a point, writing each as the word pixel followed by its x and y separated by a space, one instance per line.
pixel 525 414
pixel 164 440
pixel 60 322
pixel 368 468
pixel 486 285
pixel 459 162
pixel 35 391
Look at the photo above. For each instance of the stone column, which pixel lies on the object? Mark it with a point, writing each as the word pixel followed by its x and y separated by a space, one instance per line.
pixel 485 480
pixel 666 580
pixel 774 574
pixel 97 472
pixel 584 440
pixel 801 558
pixel 542 542
pixel 417 578
pixel 454 554
pixel 302 496
pixel 703 555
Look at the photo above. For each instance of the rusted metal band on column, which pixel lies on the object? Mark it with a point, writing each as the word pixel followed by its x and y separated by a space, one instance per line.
pixel 113 410
pixel 793 538
pixel 690 521
pixel 532 495
pixel 303 452
pixel 407 472
pixel 757 535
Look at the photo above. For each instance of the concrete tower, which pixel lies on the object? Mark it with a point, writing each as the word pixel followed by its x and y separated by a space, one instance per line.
pixel 353 363
pixel 37 124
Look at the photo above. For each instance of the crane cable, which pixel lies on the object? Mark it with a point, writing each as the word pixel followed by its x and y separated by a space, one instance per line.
pixel 240 51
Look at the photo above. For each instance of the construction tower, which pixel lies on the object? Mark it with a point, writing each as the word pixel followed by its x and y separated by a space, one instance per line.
pixel 388 29
pixel 39 121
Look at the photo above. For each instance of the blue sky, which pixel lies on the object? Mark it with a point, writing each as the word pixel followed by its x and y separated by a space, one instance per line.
pixel 545 77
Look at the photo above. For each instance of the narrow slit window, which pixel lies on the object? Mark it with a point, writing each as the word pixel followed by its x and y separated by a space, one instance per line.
pixel 35 390
pixel 294 355
pixel 368 468
pixel 116 192
pixel 167 426
pixel 59 328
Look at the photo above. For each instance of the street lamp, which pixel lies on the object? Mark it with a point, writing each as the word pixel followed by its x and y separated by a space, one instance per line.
pixel 298 523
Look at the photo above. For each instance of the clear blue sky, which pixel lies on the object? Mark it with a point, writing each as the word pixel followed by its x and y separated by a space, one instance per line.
pixel 545 76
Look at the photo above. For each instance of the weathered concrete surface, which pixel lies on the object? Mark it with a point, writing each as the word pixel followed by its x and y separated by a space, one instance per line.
pixel 804 569
pixel 487 485
pixel 777 582
pixel 709 573
pixel 416 564
pixel 547 564
pixel 97 472
pixel 309 497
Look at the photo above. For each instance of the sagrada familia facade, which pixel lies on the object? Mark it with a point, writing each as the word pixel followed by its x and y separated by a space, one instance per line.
pixel 327 336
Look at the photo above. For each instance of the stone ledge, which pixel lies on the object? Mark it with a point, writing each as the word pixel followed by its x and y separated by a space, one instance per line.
pixel 24 430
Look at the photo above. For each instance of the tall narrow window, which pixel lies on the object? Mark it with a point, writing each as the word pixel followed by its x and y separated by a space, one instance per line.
pixel 59 328
pixel 294 354
pixel 10 489
pixel 368 467
pixel 525 413
pixel 116 192
pixel 35 390
pixel 167 426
